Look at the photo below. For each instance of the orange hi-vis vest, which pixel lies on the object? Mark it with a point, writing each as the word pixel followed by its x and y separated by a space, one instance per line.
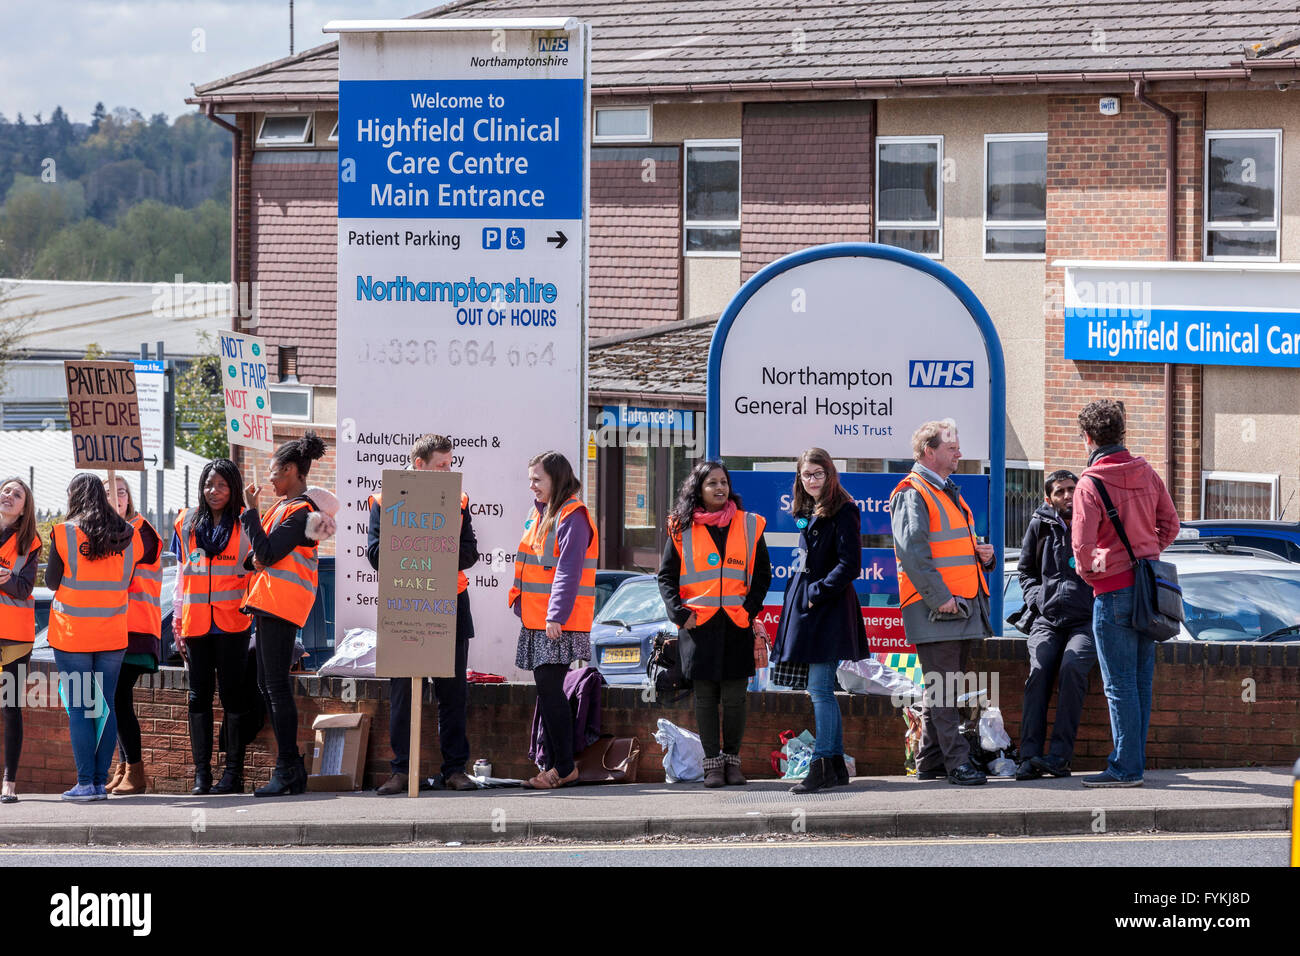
pixel 212 588
pixel 952 544
pixel 287 589
pixel 90 604
pixel 462 582
pixel 710 581
pixel 17 615
pixel 144 597
pixel 535 565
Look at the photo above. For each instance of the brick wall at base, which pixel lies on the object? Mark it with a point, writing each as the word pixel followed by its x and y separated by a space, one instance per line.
pixel 1201 717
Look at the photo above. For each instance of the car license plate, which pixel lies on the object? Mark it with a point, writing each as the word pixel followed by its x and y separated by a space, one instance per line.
pixel 621 655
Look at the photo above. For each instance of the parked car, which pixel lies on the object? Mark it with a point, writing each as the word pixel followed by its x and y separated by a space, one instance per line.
pixel 607 582
pixel 624 630
pixel 1230 593
pixel 1280 537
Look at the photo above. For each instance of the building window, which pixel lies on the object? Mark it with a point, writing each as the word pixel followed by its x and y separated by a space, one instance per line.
pixel 285 129
pixel 712 197
pixel 1242 194
pixel 291 402
pixel 622 124
pixel 1231 494
pixel 1015 196
pixel 909 193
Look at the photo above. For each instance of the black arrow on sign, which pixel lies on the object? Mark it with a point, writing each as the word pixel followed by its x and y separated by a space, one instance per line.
pixel 153 460
pixel 559 239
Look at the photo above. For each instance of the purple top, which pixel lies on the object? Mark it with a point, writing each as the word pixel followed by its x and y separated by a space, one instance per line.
pixel 573 538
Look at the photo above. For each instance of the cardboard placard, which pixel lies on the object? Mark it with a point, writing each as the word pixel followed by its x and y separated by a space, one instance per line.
pixel 104 410
pixel 419 546
pixel 245 386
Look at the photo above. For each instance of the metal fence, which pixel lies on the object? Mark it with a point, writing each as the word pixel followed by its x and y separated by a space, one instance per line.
pixel 1024 495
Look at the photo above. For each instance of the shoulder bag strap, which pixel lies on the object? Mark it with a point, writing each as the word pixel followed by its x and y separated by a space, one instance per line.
pixel 1114 517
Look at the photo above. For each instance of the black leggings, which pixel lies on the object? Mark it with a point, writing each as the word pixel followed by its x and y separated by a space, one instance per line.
pixel 128 726
pixel 275 640
pixel 557 717
pixel 10 707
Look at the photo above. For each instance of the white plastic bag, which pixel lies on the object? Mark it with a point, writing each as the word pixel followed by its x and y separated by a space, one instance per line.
pixel 354 656
pixel 993 736
pixel 869 676
pixel 683 752
pixel 1002 767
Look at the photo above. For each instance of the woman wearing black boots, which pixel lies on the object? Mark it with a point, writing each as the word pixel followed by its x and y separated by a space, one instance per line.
pixel 821 620
pixel 281 593
pixel 211 631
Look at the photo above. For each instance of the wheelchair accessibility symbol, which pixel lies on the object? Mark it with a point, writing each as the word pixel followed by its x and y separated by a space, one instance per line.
pixel 515 238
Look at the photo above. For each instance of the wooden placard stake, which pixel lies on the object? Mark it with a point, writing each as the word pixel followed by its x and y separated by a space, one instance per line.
pixel 413 769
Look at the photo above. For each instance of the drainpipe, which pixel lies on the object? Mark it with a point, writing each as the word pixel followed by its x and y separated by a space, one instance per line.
pixel 1171 249
pixel 235 298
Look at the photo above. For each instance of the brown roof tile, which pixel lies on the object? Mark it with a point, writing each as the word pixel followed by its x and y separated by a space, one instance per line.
pixel 638 43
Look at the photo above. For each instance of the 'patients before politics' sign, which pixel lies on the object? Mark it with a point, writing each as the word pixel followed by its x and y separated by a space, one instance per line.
pixel 105 415
pixel 248 398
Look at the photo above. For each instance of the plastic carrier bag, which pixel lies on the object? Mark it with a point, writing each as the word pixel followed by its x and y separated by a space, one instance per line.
pixel 354 656
pixel 683 752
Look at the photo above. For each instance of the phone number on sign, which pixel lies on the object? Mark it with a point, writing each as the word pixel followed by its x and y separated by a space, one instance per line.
pixel 469 352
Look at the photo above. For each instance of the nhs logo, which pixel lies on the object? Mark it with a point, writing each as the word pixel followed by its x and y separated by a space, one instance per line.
pixel 935 374
pixel 552 44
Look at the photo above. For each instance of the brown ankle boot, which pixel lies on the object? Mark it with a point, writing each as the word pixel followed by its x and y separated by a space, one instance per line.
pixel 714 772
pixel 118 775
pixel 732 773
pixel 133 782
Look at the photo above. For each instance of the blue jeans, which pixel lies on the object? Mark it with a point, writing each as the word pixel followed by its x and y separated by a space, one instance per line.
pixel 829 728
pixel 1128 664
pixel 90 680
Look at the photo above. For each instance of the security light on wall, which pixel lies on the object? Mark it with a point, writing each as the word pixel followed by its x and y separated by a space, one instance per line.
pixel 1109 105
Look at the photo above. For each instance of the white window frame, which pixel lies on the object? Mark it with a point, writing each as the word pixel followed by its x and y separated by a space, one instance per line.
pixel 1245 478
pixel 891 224
pixel 308 390
pixel 1005 223
pixel 1274 227
pixel 333 136
pixel 306 139
pixel 649 125
pixel 688 224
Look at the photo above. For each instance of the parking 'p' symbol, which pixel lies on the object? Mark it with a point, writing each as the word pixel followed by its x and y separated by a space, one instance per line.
pixel 492 238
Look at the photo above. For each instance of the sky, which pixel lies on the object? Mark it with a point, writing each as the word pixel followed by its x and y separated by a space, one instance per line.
pixel 147 54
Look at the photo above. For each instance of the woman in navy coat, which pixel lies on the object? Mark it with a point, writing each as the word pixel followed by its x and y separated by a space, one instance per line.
pixel 821 620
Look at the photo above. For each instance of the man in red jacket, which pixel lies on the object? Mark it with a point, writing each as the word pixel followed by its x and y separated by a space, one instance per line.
pixel 1147 513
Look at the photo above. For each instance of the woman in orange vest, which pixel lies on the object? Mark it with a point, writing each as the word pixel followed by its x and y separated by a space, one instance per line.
pixel 20 553
pixel 713 577
pixel 211 631
pixel 93 554
pixel 554 595
pixel 821 616
pixel 280 596
pixel 143 642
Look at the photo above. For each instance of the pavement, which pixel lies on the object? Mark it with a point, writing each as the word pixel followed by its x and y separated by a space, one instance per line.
pixel 1187 801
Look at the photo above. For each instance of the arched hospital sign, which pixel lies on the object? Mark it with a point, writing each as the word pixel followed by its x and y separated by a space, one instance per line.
pixel 850 347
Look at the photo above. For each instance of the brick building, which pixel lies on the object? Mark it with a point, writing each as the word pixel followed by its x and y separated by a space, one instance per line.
pixel 1032 149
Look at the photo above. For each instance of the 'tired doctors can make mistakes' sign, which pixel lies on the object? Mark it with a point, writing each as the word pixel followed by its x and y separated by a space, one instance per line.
pixel 462 270
pixel 1203 313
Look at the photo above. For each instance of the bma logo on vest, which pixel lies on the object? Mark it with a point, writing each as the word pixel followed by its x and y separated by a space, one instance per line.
pixel 931 374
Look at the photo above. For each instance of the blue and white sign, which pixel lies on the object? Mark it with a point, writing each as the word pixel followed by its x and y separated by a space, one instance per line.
pixel 461 276
pixel 850 347
pixel 1187 313
pixel 151 386
pixel 664 420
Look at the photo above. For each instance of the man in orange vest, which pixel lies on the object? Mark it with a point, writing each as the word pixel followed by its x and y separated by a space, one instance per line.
pixel 943 593
pixel 433 453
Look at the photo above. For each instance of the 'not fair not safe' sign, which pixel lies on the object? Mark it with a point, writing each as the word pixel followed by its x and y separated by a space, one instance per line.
pixel 246 390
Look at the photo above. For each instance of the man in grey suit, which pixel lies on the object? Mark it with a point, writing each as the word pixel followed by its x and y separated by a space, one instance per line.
pixel 943 593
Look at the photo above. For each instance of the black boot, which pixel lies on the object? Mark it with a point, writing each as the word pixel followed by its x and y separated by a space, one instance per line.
pixel 201 749
pixel 300 775
pixel 232 777
pixel 820 775
pixel 840 777
pixel 283 778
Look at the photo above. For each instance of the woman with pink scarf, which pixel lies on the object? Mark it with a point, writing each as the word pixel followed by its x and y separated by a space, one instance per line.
pixel 713 577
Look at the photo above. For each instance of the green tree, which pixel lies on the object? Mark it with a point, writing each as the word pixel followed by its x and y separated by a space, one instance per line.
pixel 201 406
pixel 33 213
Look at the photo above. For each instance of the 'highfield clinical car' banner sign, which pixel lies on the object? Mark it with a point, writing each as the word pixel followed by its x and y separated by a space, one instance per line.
pixel 1183 313
pixel 461 278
